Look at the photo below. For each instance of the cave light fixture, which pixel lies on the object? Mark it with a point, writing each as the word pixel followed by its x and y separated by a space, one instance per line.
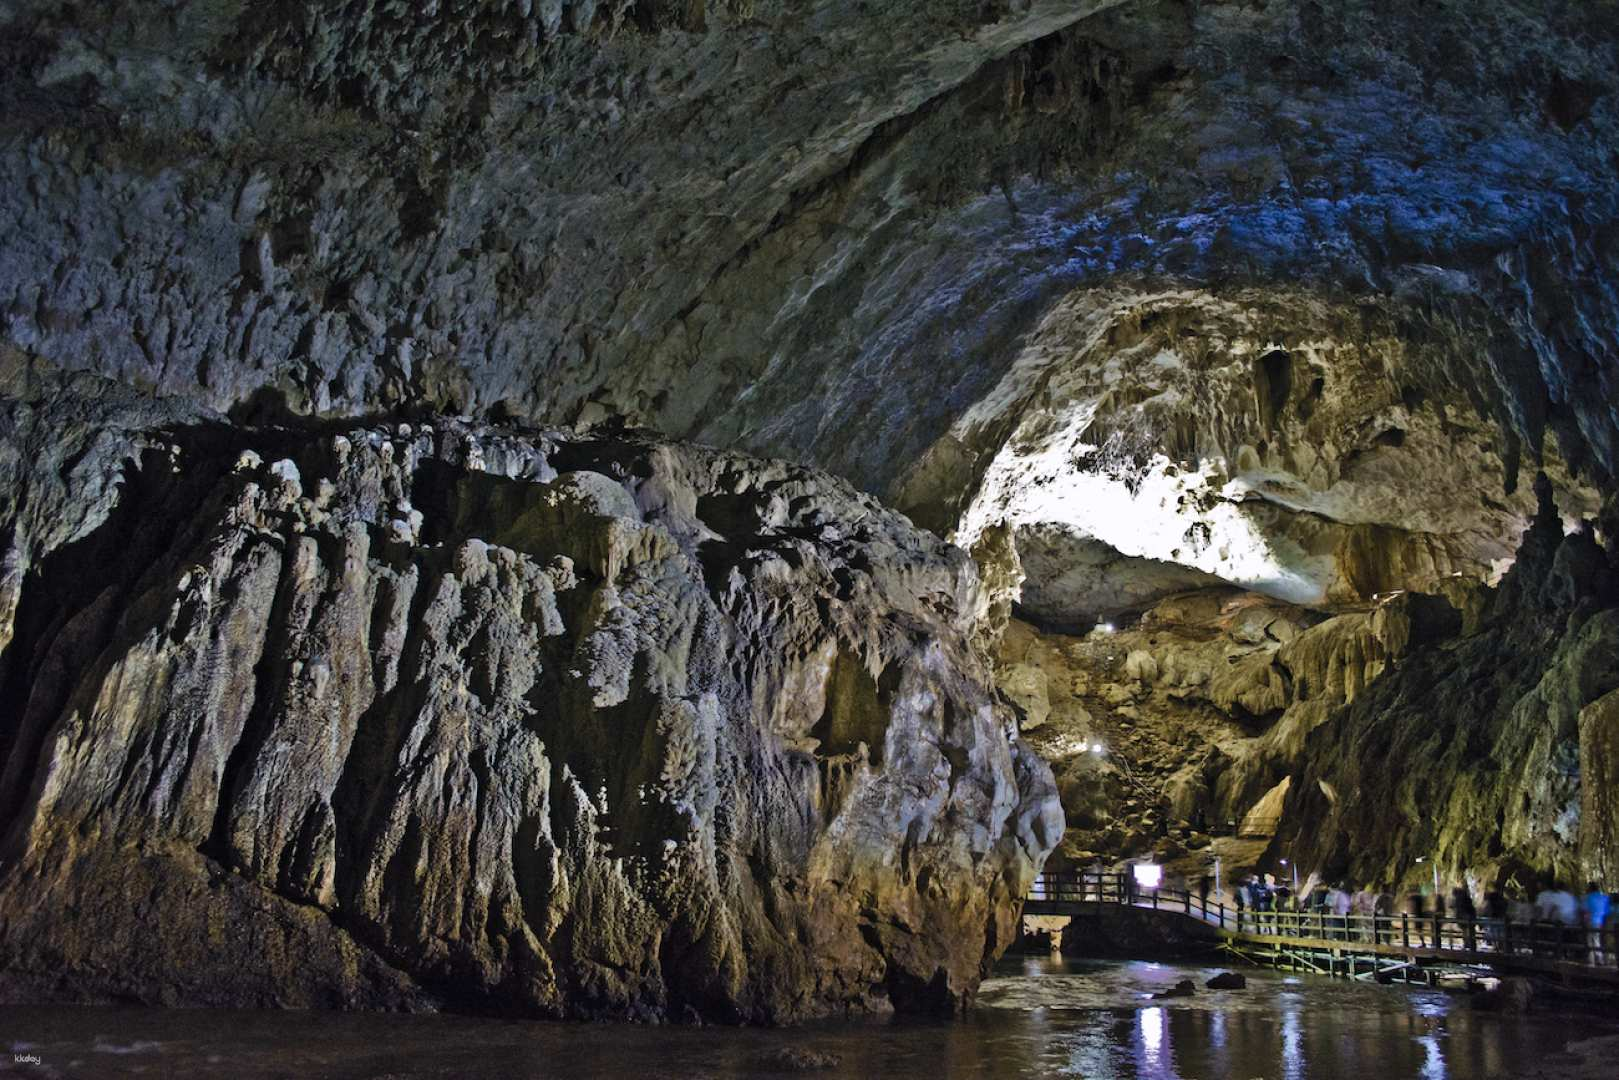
pixel 1423 859
pixel 1148 875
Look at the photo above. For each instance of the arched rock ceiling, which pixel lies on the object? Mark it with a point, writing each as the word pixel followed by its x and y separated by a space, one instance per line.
pixel 920 244
pixel 1265 438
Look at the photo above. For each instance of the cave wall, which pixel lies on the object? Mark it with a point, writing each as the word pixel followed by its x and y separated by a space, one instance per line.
pixel 1190 724
pixel 444 715
pixel 1280 297
pixel 1486 752
pixel 337 209
pixel 777 226
pixel 1167 442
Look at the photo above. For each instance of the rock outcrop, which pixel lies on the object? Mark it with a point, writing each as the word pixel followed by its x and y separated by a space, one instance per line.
pixel 787 226
pixel 438 714
pixel 1191 722
pixel 1220 333
pixel 1502 737
pixel 1164 443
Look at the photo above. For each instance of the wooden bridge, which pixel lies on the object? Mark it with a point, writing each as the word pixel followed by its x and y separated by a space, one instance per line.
pixel 1405 947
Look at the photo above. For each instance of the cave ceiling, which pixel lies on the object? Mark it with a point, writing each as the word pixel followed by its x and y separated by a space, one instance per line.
pixel 1284 295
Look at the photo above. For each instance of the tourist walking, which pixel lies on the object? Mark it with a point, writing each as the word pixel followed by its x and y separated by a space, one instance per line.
pixel 1363 912
pixel 1383 909
pixel 1465 913
pixel 1416 909
pixel 1522 913
pixel 1595 908
pixel 1338 904
pixel 1495 914
pixel 1558 911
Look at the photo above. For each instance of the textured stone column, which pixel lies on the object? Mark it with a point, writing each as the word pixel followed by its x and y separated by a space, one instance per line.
pixel 1599 789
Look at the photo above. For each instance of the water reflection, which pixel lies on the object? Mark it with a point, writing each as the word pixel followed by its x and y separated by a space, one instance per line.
pixel 1151 1023
pixel 1433 1065
pixel 1037 1019
pixel 1292 1040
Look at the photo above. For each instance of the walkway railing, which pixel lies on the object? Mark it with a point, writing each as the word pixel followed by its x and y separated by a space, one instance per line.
pixel 1483 940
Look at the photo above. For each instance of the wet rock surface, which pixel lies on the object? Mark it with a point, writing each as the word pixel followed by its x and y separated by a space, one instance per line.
pixel 1183 989
pixel 1180 735
pixel 1500 733
pixel 1224 336
pixel 449 715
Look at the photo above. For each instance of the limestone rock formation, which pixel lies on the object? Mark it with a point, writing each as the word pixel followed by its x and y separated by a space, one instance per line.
pixel 1501 736
pixel 1174 446
pixel 1193 721
pixel 1223 335
pixel 420 714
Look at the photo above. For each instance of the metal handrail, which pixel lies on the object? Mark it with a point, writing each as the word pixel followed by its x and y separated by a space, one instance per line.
pixel 1484 938
pixel 1084 886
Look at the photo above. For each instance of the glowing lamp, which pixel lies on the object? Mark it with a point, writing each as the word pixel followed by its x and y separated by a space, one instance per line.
pixel 1148 875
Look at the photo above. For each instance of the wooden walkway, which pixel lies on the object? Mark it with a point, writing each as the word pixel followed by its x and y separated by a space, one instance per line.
pixel 1353 946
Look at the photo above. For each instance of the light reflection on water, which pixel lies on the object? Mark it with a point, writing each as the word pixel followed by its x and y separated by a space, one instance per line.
pixel 1151 1022
pixel 1433 1065
pixel 1292 1039
pixel 1037 1018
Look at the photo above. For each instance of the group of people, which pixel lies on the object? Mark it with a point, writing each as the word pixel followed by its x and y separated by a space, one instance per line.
pixel 1548 923
pixel 1555 906
pixel 1262 899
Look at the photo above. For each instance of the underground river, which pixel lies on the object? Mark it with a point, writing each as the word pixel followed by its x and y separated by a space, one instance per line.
pixel 1036 1017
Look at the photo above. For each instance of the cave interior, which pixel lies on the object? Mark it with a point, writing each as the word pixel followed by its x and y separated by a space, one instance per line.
pixel 662 509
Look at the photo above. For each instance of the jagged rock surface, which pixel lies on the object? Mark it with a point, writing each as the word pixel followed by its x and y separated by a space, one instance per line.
pixel 1168 442
pixel 403 716
pixel 1128 297
pixel 1202 709
pixel 1488 753
pixel 785 226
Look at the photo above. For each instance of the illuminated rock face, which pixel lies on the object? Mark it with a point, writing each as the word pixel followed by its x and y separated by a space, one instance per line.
pixel 1202 708
pixel 824 231
pixel 446 715
pixel 1222 322
pixel 1171 433
pixel 1261 538
pixel 1251 528
pixel 1502 736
